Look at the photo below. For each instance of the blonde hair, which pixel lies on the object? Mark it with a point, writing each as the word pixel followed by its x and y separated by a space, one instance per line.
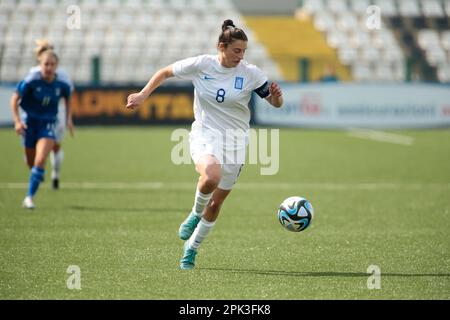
pixel 44 47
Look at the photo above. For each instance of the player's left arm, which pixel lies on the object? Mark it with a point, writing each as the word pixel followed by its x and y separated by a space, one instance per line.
pixel 69 121
pixel 276 95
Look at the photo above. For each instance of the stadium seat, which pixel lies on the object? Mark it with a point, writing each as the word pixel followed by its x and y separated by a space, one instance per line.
pixel 49 5
pixel 7 6
pixel 9 73
pixel 4 19
pixel 409 8
pixel 392 54
pixel 141 26
pixel 428 38
pixel 369 54
pixel 360 39
pixel 387 7
pixel 445 40
pixel 347 21
pixel 444 73
pixel 324 21
pixel 337 39
pixel 55 36
pixel 384 72
pixel 436 56
pixel 347 55
pixel 27 6
pixel 58 21
pixel 39 19
pixel 34 33
pixel 337 6
pixel 359 6
pixel 93 5
pixel 432 8
pixel 383 38
pixel 362 72
pixel 447 7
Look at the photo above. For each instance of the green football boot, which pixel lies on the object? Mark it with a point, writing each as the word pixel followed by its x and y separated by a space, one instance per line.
pixel 188 260
pixel 188 226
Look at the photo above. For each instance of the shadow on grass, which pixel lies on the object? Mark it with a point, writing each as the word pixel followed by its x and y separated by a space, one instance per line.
pixel 324 273
pixel 129 209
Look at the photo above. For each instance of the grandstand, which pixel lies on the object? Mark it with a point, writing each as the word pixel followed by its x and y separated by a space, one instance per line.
pixel 133 38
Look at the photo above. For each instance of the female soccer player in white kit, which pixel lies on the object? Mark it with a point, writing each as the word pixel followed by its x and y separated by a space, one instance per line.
pixel 223 87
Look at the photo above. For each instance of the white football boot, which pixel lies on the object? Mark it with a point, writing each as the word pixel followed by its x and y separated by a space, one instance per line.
pixel 28 203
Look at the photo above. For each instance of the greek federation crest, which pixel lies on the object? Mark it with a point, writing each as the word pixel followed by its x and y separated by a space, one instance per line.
pixel 239 83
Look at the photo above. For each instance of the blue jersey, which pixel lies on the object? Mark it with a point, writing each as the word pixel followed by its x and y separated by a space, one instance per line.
pixel 40 99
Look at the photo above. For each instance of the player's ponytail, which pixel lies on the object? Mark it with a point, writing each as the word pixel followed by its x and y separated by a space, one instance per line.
pixel 230 33
pixel 44 47
pixel 41 46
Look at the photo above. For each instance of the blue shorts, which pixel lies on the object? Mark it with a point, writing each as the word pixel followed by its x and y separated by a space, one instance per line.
pixel 38 129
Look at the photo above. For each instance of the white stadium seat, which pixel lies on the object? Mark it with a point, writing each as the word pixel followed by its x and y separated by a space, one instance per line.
pixel 444 73
pixel 313 6
pixel 445 40
pixel 362 72
pixel 409 8
pixel 387 7
pixel 121 31
pixel 347 55
pixel 337 6
pixel 337 39
pixel 428 38
pixel 324 21
pixel 432 8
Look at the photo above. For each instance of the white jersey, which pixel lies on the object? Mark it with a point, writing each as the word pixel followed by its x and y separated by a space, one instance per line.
pixel 221 94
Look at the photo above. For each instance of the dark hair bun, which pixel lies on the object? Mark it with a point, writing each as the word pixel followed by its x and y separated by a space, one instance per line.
pixel 227 23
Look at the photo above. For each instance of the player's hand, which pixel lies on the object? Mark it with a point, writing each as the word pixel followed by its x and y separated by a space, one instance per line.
pixel 135 100
pixel 20 128
pixel 71 127
pixel 275 90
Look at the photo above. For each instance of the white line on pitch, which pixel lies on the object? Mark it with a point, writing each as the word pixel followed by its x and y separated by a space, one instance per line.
pixel 381 136
pixel 239 185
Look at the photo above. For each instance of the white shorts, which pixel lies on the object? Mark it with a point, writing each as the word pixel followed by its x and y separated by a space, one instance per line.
pixel 200 146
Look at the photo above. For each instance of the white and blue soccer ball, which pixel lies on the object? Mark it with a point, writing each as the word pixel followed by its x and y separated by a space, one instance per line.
pixel 295 214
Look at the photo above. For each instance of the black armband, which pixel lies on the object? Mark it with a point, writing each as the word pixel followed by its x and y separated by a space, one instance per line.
pixel 263 91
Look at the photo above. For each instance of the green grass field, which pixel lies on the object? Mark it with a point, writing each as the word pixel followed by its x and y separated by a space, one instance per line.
pixel 122 200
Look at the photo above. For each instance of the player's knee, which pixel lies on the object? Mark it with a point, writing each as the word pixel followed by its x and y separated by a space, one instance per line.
pixel 211 179
pixel 211 182
pixel 39 162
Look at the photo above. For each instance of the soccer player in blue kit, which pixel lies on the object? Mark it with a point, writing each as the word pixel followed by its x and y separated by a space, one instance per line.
pixel 38 96
pixel 62 121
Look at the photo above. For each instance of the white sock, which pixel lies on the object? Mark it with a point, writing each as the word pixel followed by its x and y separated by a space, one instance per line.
pixel 56 159
pixel 201 200
pixel 200 233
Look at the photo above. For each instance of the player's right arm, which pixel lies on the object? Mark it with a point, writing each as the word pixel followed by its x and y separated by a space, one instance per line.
pixel 136 99
pixel 19 126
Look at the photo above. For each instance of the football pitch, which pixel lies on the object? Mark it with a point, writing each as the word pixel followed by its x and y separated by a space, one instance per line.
pixel 381 228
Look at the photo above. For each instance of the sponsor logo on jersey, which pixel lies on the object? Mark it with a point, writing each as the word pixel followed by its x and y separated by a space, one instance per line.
pixel 207 77
pixel 239 83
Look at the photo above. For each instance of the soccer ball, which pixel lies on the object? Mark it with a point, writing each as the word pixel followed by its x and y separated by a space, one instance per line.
pixel 295 214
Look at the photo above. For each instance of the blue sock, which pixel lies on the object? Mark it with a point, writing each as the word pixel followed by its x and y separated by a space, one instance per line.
pixel 36 177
